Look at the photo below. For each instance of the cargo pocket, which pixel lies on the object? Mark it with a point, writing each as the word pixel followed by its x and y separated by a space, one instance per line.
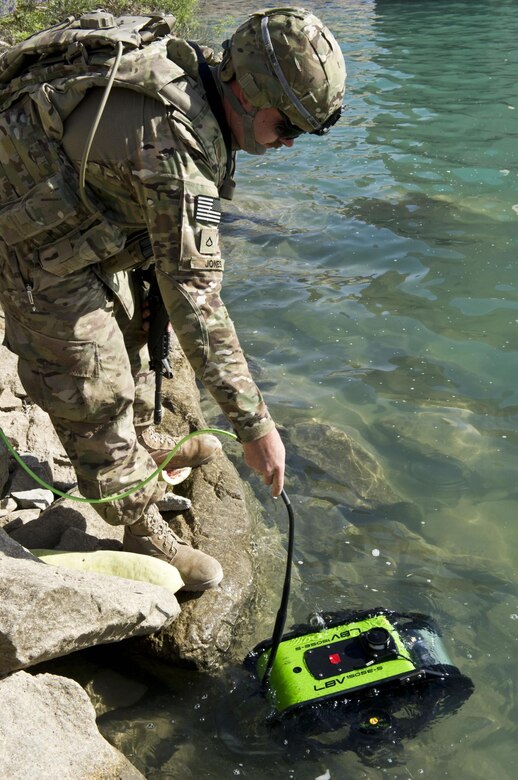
pixel 63 377
pixel 46 206
pixel 95 241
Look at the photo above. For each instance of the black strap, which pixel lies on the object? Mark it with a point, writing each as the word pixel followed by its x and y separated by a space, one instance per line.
pixel 216 106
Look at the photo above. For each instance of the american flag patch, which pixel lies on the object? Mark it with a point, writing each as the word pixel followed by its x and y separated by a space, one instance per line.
pixel 208 209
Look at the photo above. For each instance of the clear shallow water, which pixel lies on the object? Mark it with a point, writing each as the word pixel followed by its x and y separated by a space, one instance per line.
pixel 372 278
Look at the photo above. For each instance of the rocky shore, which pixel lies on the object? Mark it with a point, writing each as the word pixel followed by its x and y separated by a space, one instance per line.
pixel 47 611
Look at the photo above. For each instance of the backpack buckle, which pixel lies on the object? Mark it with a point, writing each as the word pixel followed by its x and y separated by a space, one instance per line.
pixel 75 50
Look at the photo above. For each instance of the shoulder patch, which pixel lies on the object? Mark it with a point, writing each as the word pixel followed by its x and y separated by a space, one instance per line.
pixel 208 209
pixel 209 241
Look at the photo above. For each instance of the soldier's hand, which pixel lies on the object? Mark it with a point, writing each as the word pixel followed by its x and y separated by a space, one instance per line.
pixel 267 457
pixel 146 317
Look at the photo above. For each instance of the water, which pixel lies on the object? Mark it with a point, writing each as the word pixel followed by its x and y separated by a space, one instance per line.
pixel 372 278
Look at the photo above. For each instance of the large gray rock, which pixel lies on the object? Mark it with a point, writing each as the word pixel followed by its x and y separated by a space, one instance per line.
pixel 48 730
pixel 220 523
pixel 46 612
pixel 206 628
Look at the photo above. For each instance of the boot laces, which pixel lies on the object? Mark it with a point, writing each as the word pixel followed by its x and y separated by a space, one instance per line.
pixel 161 534
pixel 160 439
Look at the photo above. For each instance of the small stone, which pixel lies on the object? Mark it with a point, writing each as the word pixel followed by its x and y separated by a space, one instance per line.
pixel 9 402
pixel 7 505
pixel 25 515
pixel 41 499
pixel 22 481
pixel 171 502
pixel 10 525
pixel 18 519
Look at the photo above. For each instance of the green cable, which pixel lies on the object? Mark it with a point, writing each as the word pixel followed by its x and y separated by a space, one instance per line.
pixel 121 495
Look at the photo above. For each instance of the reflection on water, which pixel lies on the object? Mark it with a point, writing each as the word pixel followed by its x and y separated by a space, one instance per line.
pixel 372 277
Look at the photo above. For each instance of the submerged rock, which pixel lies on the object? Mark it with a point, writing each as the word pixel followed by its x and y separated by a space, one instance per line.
pixel 341 469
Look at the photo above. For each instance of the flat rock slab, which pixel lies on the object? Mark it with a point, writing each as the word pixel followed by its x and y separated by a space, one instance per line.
pixel 47 612
pixel 48 730
pixel 39 498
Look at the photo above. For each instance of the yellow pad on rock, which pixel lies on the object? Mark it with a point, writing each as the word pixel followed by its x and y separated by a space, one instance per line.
pixel 130 566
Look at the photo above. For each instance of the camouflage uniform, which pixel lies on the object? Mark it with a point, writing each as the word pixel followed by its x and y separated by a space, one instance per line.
pixel 154 172
pixel 74 321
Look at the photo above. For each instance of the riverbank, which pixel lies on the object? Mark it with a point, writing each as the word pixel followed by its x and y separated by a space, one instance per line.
pixel 49 611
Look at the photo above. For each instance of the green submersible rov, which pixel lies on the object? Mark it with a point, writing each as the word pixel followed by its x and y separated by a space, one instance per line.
pixel 371 672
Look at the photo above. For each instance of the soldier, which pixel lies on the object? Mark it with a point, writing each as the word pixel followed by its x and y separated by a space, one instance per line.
pixel 117 141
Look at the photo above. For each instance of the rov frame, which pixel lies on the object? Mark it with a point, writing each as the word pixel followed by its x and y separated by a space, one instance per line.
pixel 351 656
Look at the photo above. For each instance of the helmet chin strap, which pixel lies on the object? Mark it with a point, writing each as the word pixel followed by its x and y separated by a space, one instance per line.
pixel 249 144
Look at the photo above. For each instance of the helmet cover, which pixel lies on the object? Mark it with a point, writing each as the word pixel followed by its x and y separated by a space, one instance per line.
pixel 286 58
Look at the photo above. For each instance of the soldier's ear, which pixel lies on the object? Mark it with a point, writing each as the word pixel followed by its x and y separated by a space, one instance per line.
pixel 238 92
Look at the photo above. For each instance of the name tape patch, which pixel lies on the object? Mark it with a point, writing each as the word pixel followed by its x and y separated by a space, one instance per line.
pixel 208 210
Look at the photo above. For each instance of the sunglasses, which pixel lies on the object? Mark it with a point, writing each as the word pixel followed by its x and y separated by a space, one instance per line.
pixel 285 128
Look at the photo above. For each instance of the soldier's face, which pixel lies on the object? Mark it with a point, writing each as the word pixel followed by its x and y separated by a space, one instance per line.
pixel 268 127
pixel 267 124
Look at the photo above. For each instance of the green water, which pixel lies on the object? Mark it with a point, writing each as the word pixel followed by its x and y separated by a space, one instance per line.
pixel 372 278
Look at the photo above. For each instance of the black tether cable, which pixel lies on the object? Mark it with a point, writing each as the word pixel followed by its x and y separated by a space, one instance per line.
pixel 280 620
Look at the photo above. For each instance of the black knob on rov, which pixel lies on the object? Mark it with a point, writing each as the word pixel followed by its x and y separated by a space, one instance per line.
pixel 377 639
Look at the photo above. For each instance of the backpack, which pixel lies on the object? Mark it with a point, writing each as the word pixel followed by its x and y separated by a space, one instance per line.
pixel 45 208
pixel 57 66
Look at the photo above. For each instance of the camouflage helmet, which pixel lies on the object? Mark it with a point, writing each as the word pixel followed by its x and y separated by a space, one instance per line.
pixel 286 58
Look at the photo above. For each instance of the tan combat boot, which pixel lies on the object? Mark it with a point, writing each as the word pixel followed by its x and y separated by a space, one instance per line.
pixel 194 452
pixel 152 536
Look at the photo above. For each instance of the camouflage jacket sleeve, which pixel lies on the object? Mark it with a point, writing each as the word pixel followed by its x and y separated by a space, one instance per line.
pixel 175 187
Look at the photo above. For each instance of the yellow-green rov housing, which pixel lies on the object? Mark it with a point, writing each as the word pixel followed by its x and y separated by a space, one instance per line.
pixel 370 657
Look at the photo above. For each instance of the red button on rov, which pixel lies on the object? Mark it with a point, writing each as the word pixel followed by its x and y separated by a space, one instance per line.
pixel 334 658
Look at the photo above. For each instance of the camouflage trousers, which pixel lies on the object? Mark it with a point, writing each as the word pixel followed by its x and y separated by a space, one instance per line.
pixel 83 359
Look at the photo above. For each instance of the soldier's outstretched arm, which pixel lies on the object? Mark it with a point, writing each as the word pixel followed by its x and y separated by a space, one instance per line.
pixel 177 191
